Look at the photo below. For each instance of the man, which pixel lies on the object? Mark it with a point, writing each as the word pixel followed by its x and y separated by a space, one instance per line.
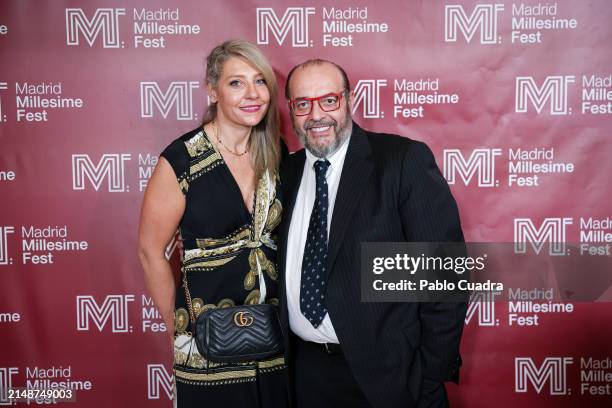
pixel 351 186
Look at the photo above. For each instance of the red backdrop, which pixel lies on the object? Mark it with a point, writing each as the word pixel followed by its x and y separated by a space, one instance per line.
pixel 90 93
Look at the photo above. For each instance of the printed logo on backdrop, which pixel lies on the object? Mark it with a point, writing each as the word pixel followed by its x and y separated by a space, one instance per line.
pixel 146 165
pixel 528 24
pixel 176 97
pixel 109 172
pixel 596 95
pixel 551 95
pixel 527 168
pixel 101 27
pixel 480 163
pixel 552 92
pixel 552 372
pixel 41 245
pixel 36 102
pixel 482 20
pixel 160 382
pixel 3 87
pixel 295 20
pixel 412 98
pixel 109 168
pixel 551 231
pixel 367 96
pixel 594 239
pixel 6 383
pixel 530 307
pixel 3 29
pixel 341 27
pixel 595 236
pixel 113 314
pixel 113 310
pixel 5 258
pixel 56 376
pixel 482 306
pixel 151 28
pixel 596 376
pixel 526 308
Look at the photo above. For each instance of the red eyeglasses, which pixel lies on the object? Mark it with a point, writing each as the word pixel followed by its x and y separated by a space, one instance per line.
pixel 303 106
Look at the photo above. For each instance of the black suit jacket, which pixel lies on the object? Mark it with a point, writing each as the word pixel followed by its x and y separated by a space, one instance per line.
pixel 390 191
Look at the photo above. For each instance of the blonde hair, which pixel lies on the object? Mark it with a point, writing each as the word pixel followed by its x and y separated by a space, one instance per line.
pixel 265 136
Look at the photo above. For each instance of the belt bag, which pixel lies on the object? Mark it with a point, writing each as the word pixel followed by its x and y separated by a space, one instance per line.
pixel 239 334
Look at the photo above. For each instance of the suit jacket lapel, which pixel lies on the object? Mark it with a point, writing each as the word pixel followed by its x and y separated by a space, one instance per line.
pixel 355 174
pixel 290 179
pixel 291 185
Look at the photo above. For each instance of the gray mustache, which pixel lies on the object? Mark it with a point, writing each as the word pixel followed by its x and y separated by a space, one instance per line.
pixel 320 123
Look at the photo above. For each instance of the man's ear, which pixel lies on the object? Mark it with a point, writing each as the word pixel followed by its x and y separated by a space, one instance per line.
pixel 351 99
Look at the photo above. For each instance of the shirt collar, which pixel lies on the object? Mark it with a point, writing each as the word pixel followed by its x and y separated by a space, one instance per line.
pixel 334 160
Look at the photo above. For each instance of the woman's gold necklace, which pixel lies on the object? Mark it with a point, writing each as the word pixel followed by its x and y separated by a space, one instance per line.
pixel 227 148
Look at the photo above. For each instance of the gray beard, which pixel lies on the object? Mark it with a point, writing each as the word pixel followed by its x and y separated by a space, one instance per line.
pixel 342 132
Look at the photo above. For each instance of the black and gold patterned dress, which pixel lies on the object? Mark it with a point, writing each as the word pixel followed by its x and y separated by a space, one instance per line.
pixel 229 259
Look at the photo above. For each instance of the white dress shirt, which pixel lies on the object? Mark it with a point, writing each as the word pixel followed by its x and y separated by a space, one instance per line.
pixel 298 229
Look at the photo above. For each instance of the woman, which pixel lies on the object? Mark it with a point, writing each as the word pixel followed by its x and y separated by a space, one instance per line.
pixel 218 184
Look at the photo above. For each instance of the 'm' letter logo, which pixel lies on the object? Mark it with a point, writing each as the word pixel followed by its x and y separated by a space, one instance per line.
pixel 553 91
pixel 114 308
pixel 105 21
pixel 367 94
pixel 179 95
pixel 552 371
pixel 110 166
pixel 6 383
pixel 552 230
pixel 158 377
pixel 295 20
pixel 481 162
pixel 482 304
pixel 482 19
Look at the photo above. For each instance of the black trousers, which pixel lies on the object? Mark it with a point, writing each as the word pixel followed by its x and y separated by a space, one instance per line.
pixel 323 378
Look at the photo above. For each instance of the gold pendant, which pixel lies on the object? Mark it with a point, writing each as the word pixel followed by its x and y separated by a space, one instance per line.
pixel 197 305
pixel 181 318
